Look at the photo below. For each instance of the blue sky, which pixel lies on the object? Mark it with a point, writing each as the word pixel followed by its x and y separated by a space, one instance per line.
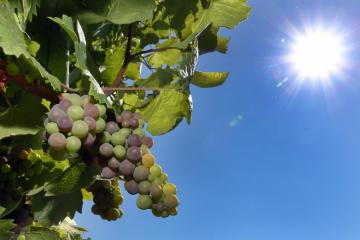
pixel 288 170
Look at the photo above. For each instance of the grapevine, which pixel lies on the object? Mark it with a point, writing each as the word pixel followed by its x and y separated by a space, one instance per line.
pixel 84 88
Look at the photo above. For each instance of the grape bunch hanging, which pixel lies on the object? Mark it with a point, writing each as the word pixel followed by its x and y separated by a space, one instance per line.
pixel 120 146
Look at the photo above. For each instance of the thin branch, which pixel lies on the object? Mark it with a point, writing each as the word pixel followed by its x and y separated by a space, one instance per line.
pixel 121 74
pixel 155 50
pixel 64 86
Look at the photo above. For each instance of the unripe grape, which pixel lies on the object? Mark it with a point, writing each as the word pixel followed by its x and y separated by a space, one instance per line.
pixel 148 141
pixel 113 213
pixel 134 123
pixel 106 150
pixel 171 201
pixel 169 188
pixel 118 199
pixel 164 177
pixel 91 111
pixel 105 137
pixel 65 104
pixel 140 132
pixel 131 187
pixel 133 154
pixel 151 177
pixel 12 69
pixel 75 112
pixel 65 123
pixel 144 187
pixel 21 237
pixel 51 128
pixel 119 119
pixel 148 160
pixel 125 131
pixel 141 173
pixel 156 191
pixel 55 113
pixel 125 124
pixel 114 164
pixel 118 138
pixel 126 168
pixel 119 152
pixel 102 109
pixel 80 129
pixel 157 181
pixel 156 170
pixel 158 207
pixel 74 99
pixel 134 140
pixel 73 144
pixel 144 149
pixel 5 168
pixel 91 123
pixel 111 127
pixel 107 173
pixel 165 214
pixel 100 125
pixel 144 202
pixel 89 141
pixel 57 141
pixel 126 115
pixel 95 210
pixel 172 211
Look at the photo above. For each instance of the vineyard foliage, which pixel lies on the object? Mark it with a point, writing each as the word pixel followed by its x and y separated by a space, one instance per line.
pixel 83 86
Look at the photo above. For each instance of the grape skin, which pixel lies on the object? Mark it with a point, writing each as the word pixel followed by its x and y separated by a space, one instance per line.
pixel 144 202
pixel 169 188
pixel 73 144
pixel 65 123
pixel 125 131
pixel 134 123
pixel 100 125
pixel 140 132
pixel 55 113
pixel 133 154
pixel 91 123
pixel 105 138
pixel 51 128
pixel 126 168
pixel 91 111
pixel 75 112
pixel 106 150
pixel 118 138
pixel 102 109
pixel 119 152
pixel 111 127
pixel 131 187
pixel 148 160
pixel 80 129
pixel 148 142
pixel 171 201
pixel 114 163
pixel 144 187
pixel 156 191
pixel 107 173
pixel 89 141
pixel 65 104
pixel 57 141
pixel 134 140
pixel 141 173
pixel 156 170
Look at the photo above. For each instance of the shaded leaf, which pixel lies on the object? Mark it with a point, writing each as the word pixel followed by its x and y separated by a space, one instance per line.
pixel 67 24
pixel 5 227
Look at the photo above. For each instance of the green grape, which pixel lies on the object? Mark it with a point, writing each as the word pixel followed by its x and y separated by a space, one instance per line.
pixel 105 137
pixel 125 131
pixel 156 170
pixel 144 187
pixel 118 138
pixel 172 211
pixel 144 202
pixel 141 173
pixel 57 141
pixel 151 177
pixel 80 129
pixel 144 149
pixel 106 150
pixel 91 111
pixel 169 188
pixel 156 191
pixel 12 69
pixel 73 144
pixel 157 181
pixel 100 125
pixel 21 237
pixel 118 199
pixel 171 201
pixel 148 160
pixel 119 152
pixel 164 214
pixel 74 99
pixel 5 168
pixel 164 177
pixel 113 214
pixel 75 112
pixel 140 132
pixel 102 109
pixel 51 128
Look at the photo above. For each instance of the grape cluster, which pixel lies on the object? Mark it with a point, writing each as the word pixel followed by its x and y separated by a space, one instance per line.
pixel 10 193
pixel 107 199
pixel 73 124
pixel 118 144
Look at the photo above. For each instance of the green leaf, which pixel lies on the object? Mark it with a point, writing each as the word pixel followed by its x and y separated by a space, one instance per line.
pixel 69 182
pixel 51 210
pixel 24 119
pixel 168 57
pixel 30 8
pixel 5 227
pixel 220 13
pixel 67 24
pixel 166 111
pixel 2 209
pixel 133 71
pixel 160 78
pixel 114 59
pixel 40 233
pixel 11 33
pixel 121 12
pixel 210 40
pixel 209 79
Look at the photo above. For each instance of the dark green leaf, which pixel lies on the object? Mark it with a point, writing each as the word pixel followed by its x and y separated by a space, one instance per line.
pixel 5 227
pixel 67 24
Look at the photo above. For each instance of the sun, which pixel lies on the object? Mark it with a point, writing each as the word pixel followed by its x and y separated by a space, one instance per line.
pixel 317 54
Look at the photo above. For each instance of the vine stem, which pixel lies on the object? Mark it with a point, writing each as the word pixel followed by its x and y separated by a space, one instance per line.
pixel 111 89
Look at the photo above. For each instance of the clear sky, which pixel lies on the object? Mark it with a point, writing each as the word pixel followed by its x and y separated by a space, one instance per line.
pixel 262 162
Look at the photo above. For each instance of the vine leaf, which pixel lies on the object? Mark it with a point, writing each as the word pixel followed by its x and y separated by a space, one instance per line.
pixel 40 233
pixel 168 57
pixel 210 40
pixel 67 229
pixel 121 12
pixel 5 227
pixel 220 13
pixel 25 119
pixel 66 23
pixel 114 59
pixel 51 210
pixel 11 33
pixel 166 111
pixel 209 79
